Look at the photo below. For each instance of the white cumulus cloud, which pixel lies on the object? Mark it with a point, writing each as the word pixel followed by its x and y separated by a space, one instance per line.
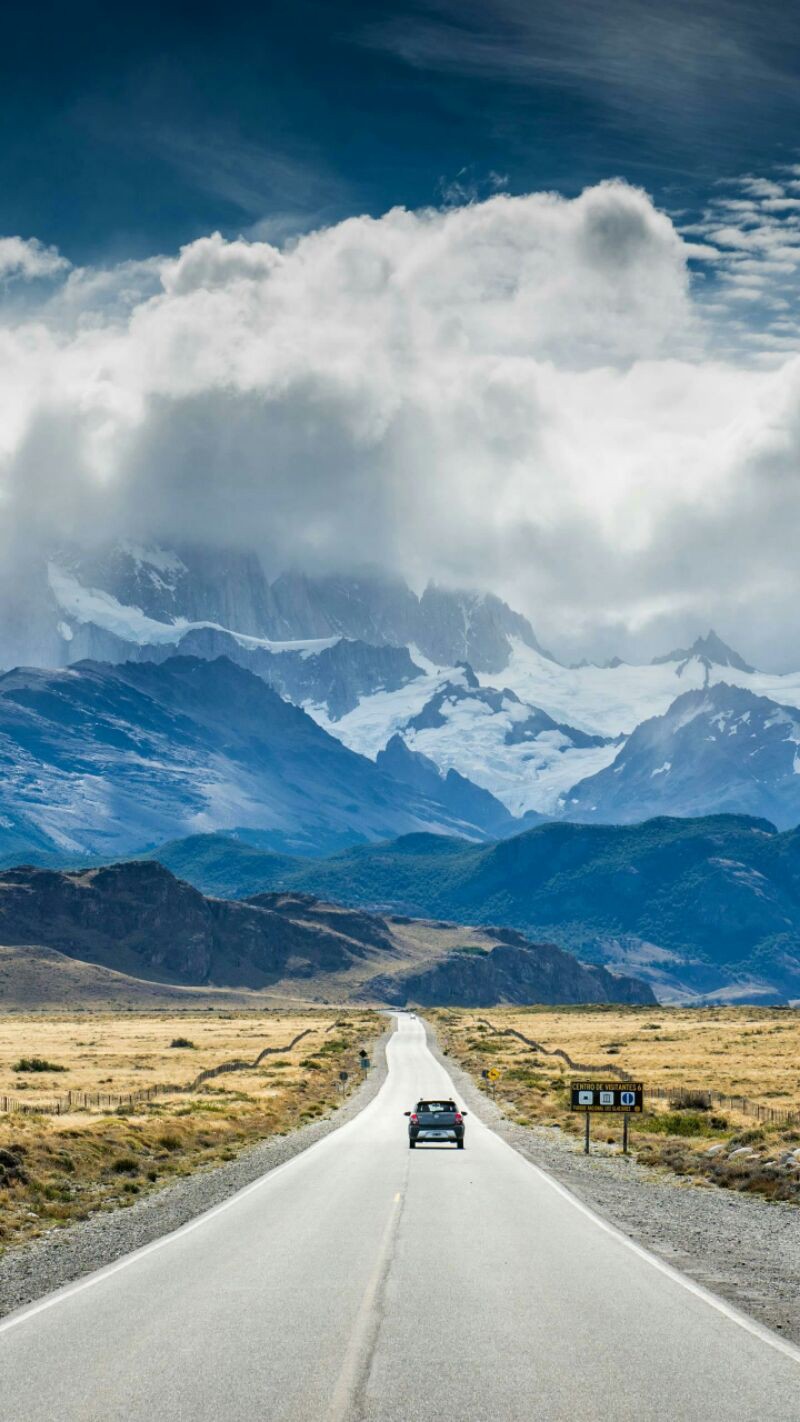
pixel 29 258
pixel 518 393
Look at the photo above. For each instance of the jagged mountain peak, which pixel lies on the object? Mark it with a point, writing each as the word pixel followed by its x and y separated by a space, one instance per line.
pixel 721 748
pixel 709 649
pixel 476 624
pixel 94 602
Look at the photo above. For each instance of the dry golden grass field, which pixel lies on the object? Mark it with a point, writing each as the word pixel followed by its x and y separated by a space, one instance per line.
pixel 740 1052
pixel 58 1168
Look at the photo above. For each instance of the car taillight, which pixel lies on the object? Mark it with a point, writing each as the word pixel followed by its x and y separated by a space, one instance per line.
pixel 414 1116
pixel 459 1119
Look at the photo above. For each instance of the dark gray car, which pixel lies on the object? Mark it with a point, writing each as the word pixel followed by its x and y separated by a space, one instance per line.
pixel 436 1119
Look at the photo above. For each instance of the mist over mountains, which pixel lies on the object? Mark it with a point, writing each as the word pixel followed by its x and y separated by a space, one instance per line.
pixel 307 716
pixel 447 695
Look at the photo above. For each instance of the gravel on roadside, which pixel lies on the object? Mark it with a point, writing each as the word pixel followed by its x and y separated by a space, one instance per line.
pixel 741 1247
pixel 28 1271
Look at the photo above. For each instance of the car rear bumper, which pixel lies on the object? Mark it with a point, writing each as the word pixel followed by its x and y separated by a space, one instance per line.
pixel 430 1133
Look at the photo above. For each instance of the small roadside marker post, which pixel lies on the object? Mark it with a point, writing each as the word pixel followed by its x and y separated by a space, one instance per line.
pixel 587 1132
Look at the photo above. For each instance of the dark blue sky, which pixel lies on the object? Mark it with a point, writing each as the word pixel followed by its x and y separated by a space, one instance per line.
pixel 128 130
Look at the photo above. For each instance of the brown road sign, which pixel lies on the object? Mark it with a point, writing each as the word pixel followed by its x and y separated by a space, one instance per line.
pixel 607 1096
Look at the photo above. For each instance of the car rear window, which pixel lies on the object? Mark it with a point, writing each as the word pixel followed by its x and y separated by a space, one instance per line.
pixel 434 1106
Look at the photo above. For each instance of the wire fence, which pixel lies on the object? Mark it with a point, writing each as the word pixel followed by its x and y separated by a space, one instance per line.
pixel 700 1099
pixel 113 1101
pixel 680 1096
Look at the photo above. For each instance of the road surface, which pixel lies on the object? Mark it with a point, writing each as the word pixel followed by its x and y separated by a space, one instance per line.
pixel 364 1282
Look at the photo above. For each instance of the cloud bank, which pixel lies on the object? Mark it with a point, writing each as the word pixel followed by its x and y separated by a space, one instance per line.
pixel 521 393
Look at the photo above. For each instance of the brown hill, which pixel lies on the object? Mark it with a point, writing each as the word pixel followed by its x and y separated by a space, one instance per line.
pixel 138 920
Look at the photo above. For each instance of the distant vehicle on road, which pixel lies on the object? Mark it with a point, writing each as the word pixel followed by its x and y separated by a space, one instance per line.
pixel 436 1120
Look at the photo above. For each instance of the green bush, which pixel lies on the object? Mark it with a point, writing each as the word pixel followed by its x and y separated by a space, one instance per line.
pixel 749 1137
pixel 691 1101
pixel 37 1064
pixel 181 1042
pixel 525 1075
pixel 677 1123
pixel 125 1165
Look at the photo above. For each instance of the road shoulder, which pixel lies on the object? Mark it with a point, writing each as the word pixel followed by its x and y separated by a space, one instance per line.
pixel 742 1248
pixel 29 1271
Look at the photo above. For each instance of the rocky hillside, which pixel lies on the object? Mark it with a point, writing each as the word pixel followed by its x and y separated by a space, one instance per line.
pixel 102 760
pixel 703 908
pixel 714 750
pixel 105 603
pixel 510 970
pixel 138 919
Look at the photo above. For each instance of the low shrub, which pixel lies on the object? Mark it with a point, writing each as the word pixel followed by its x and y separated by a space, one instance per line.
pixel 37 1064
pixel 677 1123
pixel 691 1101
pixel 181 1042
pixel 526 1075
pixel 125 1165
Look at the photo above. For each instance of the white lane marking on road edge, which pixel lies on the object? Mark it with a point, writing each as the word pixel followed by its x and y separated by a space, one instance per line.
pixel 69 1290
pixel 751 1325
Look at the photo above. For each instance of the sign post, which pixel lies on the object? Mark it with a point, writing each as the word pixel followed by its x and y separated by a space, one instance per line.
pixel 606 1097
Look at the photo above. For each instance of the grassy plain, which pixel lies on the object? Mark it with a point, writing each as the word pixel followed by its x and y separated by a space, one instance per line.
pixel 740 1052
pixel 58 1168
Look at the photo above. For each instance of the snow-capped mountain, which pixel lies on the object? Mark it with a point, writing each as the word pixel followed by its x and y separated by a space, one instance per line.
pixel 502 743
pixel 334 675
pixel 715 750
pixel 459 676
pixel 459 795
pixel 107 760
pixel 612 700
pixel 711 651
pixel 152 596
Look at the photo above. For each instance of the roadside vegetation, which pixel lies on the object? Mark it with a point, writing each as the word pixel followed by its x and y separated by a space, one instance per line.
pixel 56 1168
pixel 748 1053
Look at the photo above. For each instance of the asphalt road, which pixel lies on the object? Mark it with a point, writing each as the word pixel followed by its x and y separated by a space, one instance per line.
pixel 367 1282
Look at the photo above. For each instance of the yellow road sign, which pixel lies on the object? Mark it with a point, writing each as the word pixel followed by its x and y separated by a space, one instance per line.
pixel 493 1074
